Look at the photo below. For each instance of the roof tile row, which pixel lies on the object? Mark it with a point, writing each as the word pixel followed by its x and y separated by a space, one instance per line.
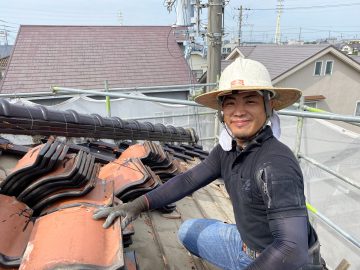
pixel 40 120
pixel 67 222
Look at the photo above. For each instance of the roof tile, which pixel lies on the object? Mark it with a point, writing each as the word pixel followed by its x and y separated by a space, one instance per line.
pixel 72 228
pixel 280 58
pixel 85 56
pixel 15 227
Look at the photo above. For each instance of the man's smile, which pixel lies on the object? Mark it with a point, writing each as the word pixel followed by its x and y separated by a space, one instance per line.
pixel 239 123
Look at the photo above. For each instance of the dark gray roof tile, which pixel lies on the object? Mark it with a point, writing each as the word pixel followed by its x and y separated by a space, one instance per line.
pixel 85 56
pixel 280 58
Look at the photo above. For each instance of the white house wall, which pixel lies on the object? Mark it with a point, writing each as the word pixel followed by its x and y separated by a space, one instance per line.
pixel 341 89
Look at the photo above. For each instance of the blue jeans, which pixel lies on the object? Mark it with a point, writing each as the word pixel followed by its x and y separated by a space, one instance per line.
pixel 217 242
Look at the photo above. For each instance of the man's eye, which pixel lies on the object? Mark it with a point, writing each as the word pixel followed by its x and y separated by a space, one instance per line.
pixel 229 103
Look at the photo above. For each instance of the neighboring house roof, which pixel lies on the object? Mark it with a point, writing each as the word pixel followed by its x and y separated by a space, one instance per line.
pixel 5 50
pixel 314 98
pixel 355 46
pixel 355 58
pixel 283 60
pixel 85 56
pixel 306 61
pixel 277 58
pixel 224 64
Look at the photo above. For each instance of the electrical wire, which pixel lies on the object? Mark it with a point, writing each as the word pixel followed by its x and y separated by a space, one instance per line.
pixel 195 109
pixel 167 46
pixel 8 22
pixel 307 7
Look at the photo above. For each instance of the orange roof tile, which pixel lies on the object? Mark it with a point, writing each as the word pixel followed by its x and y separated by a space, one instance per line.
pixel 15 227
pixel 70 237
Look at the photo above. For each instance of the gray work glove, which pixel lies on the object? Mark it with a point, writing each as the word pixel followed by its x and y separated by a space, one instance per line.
pixel 130 211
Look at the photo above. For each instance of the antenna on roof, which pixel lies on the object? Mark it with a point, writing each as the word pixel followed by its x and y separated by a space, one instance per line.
pixel 278 31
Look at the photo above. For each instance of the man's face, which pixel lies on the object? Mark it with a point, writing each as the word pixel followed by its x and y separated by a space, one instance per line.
pixel 244 114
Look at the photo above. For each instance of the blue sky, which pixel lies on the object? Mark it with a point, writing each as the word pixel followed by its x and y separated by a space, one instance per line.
pixel 259 24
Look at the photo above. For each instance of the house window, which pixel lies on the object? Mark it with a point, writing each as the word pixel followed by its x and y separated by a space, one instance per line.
pixel 318 67
pixel 357 109
pixel 329 67
pixel 312 104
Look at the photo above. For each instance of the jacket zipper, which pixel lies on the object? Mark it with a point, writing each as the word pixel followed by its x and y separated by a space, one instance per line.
pixel 266 191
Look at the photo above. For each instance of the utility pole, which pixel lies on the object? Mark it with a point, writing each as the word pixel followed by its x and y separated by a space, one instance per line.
pixel 299 35
pixel 240 24
pixel 278 31
pixel 197 17
pixel 214 36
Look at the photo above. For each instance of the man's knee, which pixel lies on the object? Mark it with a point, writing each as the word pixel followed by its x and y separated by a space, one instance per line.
pixel 184 229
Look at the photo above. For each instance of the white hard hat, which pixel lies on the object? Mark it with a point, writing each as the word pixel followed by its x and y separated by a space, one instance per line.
pixel 248 75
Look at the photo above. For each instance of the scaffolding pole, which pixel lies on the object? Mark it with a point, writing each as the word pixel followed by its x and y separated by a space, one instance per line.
pixel 161 88
pixel 327 169
pixel 332 225
pixel 118 95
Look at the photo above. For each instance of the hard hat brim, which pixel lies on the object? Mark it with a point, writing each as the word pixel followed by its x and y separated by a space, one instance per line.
pixel 284 97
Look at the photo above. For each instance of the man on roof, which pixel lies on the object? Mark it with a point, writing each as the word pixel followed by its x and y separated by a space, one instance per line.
pixel 261 174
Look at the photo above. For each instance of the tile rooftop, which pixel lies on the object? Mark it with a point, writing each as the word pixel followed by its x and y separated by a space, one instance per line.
pixel 84 56
pixel 64 234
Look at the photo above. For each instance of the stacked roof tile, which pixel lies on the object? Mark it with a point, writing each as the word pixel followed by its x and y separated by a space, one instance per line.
pixel 39 120
pixel 48 199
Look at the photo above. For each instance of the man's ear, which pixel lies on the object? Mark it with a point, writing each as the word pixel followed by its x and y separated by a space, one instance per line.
pixel 220 115
pixel 271 103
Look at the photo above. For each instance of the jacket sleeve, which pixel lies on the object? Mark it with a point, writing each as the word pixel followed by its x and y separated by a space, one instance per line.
pixel 280 184
pixel 289 248
pixel 186 183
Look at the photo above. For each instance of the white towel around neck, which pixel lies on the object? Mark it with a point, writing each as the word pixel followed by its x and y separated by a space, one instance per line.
pixel 226 137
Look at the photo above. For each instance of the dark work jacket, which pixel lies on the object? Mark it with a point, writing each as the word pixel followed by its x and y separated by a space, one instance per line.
pixel 264 182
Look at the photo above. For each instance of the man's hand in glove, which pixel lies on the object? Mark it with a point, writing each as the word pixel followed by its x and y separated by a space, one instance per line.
pixel 130 211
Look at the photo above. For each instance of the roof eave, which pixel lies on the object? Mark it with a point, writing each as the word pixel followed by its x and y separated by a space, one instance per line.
pixel 234 54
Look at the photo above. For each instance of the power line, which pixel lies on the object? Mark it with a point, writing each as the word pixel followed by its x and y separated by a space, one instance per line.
pixel 8 22
pixel 309 7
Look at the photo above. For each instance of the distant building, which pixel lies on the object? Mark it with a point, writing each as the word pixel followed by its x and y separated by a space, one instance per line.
pixel 329 79
pixel 351 48
pixel 227 48
pixel 5 52
pixel 3 65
